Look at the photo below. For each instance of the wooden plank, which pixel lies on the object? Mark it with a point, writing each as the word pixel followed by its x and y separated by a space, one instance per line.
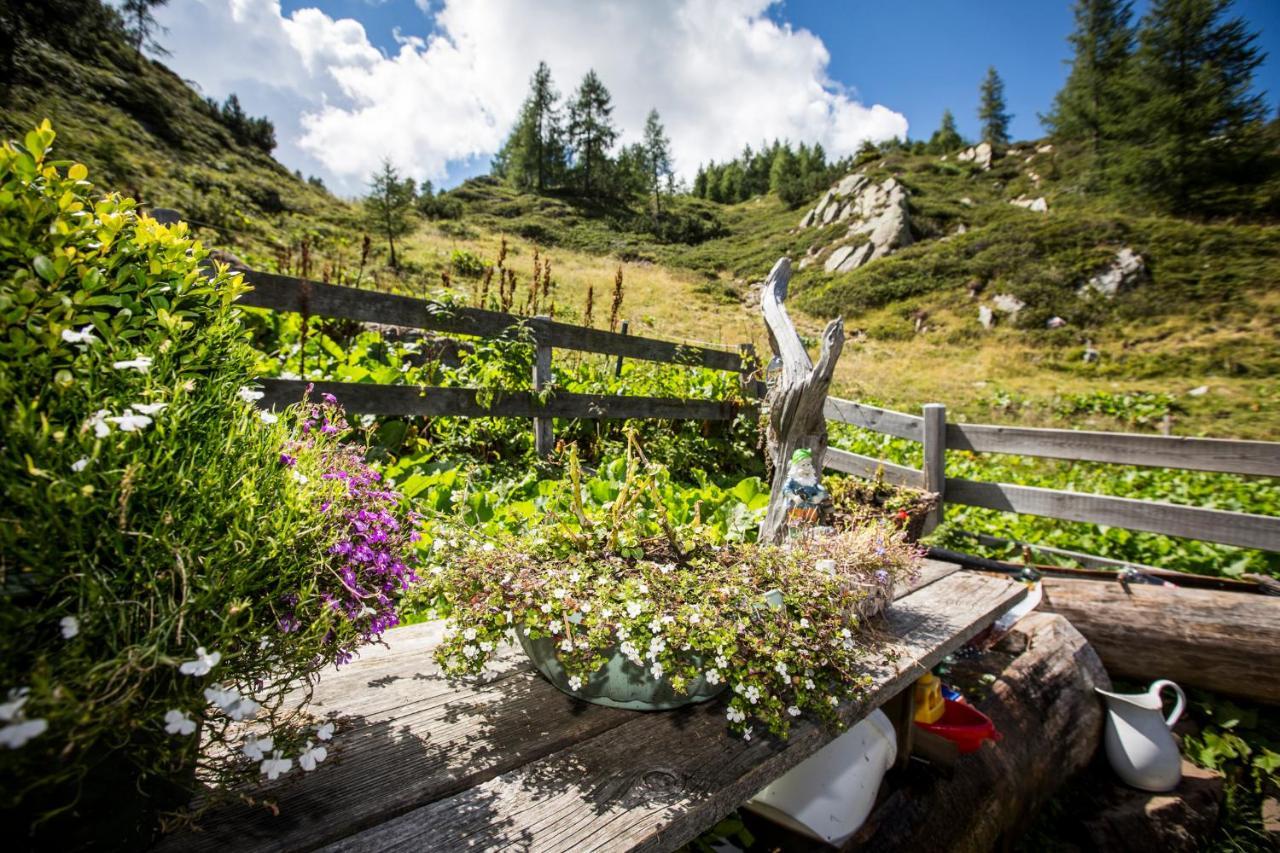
pixel 931 571
pixel 406 735
pixel 431 401
pixel 866 466
pixel 1210 525
pixel 875 419
pixel 657 781
pixel 1227 642
pixel 1160 451
pixel 285 293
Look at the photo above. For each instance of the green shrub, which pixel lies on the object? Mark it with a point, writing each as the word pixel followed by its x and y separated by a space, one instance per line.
pixel 467 264
pixel 165 563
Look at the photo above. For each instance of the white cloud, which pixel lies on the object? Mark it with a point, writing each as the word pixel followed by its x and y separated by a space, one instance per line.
pixel 722 73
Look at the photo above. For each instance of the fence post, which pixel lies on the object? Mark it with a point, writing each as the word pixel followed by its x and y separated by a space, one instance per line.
pixel 935 458
pixel 617 368
pixel 543 439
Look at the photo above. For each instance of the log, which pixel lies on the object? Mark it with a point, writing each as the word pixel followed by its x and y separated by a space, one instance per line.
pixel 797 401
pixel 1044 705
pixel 1226 642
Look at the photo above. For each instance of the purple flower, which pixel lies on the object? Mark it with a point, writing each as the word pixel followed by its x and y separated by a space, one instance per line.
pixel 286 459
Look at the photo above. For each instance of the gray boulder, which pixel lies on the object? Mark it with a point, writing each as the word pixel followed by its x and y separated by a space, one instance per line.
pixel 1124 271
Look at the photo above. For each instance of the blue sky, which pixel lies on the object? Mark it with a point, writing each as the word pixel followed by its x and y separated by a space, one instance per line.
pixel 436 84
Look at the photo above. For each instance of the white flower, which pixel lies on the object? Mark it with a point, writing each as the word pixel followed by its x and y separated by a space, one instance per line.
pixel 722 662
pixel 325 732
pixel 828 566
pixel 488 546
pixel 575 683
pixel 311 756
pixel 655 625
pixel 234 705
pixel 289 374
pixel 256 747
pixel 367 421
pixel 268 417
pixel 16 735
pixel 141 363
pixel 469 634
pixel 70 626
pixel 546 608
pixel 746 733
pixel 471 650
pixel 666 568
pixel 84 336
pixel 833 700
pixel 80 464
pixel 804 623
pixel 695 617
pixel 713 677
pixel 204 662
pixel 575 576
pixel 250 396
pixel 808 684
pixel 12 709
pixel 793 711
pixel 129 422
pixel 150 408
pixel 559 593
pixel 735 715
pixel 634 609
pixel 566 645
pixel 275 765
pixel 781 668
pixel 846 633
pixel 178 723
pixel 644 588
pixel 656 670
pixel 300 477
pixel 99 423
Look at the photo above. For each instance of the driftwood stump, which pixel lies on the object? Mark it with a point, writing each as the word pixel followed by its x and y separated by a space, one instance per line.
pixel 796 400
pixel 1042 702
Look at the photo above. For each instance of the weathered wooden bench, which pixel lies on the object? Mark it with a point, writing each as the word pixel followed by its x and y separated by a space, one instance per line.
pixel 423 763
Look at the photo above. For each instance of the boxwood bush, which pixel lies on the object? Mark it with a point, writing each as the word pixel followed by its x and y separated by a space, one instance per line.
pixel 172 561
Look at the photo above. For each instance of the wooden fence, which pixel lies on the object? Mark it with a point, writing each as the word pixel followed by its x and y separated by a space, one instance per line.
pixel 315 299
pixel 938 436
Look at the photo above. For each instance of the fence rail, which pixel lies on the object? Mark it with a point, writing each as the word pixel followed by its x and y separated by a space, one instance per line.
pixel 1226 456
pixel 313 298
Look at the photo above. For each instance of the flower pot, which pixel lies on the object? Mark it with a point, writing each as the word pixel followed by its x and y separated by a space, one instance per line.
pixel 619 683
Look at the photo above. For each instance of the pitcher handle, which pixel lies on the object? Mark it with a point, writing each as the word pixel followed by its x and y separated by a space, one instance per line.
pixel 1178 706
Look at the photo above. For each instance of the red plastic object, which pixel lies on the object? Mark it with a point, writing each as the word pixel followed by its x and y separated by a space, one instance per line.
pixel 963 725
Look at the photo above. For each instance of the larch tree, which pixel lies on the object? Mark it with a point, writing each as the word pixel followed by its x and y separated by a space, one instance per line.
pixel 1195 127
pixel 992 110
pixel 657 156
pixel 1092 103
pixel 140 24
pixel 389 206
pixel 533 156
pixel 591 132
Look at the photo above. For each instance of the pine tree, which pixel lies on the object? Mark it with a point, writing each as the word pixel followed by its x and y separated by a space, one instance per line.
pixel 533 156
pixel 786 178
pixel 1194 129
pixel 700 183
pixel 946 138
pixel 389 205
pixel 140 24
pixel 657 149
pixel 591 132
pixel 1091 104
pixel 991 111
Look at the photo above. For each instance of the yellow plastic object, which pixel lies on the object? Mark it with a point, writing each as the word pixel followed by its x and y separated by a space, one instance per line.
pixel 928 699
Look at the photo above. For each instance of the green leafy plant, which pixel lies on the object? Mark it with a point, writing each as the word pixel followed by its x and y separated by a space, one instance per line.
pixel 173 562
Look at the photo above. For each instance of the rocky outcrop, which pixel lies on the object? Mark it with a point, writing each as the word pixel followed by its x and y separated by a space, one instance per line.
pixel 979 155
pixel 1123 272
pixel 878 216
pixel 1035 205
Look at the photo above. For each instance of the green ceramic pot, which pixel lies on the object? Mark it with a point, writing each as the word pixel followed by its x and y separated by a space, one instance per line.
pixel 619 683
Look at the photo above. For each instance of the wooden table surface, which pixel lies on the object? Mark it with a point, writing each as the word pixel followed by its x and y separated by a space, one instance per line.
pixel 422 763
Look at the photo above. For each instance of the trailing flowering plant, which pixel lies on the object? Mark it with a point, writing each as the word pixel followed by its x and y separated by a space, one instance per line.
pixel 173 562
pixel 781 626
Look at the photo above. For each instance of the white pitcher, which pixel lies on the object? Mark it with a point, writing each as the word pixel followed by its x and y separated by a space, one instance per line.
pixel 1139 746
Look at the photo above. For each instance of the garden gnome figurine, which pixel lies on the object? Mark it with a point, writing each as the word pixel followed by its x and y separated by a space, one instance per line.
pixel 804 493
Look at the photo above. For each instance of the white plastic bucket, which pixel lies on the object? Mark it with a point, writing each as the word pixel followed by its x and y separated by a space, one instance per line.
pixel 829 795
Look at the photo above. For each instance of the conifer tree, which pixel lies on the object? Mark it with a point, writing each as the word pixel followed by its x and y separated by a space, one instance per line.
pixel 785 176
pixel 389 205
pixel 657 155
pixel 1091 104
pixel 991 110
pixel 533 156
pixel 1195 129
pixel 140 24
pixel 946 138
pixel 591 132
